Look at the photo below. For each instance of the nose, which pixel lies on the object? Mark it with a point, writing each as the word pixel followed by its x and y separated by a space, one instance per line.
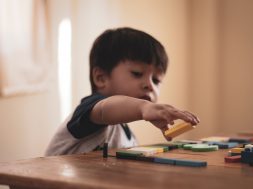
pixel 147 84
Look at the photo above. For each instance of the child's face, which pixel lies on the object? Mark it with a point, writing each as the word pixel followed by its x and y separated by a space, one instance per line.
pixel 135 79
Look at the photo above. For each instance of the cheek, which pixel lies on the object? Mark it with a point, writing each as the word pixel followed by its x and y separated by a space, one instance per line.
pixel 126 87
pixel 119 85
pixel 156 91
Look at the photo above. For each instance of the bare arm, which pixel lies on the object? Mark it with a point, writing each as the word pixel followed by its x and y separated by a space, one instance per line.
pixel 124 109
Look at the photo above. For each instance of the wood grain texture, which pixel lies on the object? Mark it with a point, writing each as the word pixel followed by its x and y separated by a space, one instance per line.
pixel 93 171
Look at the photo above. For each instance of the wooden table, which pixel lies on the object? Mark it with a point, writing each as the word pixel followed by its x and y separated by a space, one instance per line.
pixel 93 171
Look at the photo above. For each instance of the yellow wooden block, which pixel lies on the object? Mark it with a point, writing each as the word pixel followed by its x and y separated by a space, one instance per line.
pixel 158 150
pixel 144 150
pixel 237 150
pixel 178 129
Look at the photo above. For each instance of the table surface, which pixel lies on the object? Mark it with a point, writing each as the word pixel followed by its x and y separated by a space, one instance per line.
pixel 91 170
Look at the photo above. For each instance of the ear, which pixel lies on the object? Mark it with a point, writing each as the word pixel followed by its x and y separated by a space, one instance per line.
pixel 99 77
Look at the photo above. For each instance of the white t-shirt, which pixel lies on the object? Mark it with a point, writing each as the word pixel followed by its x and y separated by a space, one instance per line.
pixel 77 134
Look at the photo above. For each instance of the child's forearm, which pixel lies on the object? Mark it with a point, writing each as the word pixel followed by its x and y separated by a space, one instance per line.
pixel 117 109
pixel 124 109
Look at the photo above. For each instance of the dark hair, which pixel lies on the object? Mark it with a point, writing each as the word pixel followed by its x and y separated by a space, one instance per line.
pixel 115 45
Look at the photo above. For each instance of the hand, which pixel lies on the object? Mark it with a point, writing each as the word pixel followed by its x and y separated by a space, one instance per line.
pixel 162 115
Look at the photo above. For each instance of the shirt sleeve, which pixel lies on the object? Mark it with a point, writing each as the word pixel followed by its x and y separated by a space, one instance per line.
pixel 80 124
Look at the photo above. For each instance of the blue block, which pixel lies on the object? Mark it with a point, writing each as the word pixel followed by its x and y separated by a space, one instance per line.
pixel 224 145
pixel 191 163
pixel 182 162
pixel 247 157
pixel 145 158
pixel 239 140
pixel 164 160
pixel 232 144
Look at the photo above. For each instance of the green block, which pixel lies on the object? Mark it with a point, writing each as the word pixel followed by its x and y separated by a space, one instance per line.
pixel 204 148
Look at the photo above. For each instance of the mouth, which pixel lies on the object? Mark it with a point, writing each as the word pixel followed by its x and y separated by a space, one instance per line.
pixel 146 98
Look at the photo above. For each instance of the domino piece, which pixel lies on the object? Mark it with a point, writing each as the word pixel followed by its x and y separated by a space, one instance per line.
pixel 164 148
pixel 191 163
pixel 233 159
pixel 169 145
pixel 236 150
pixel 228 145
pixel 204 148
pixel 178 144
pixel 249 147
pixel 247 157
pixel 122 154
pixel 224 145
pixel 233 154
pixel 182 162
pixel 145 151
pixel 129 153
pixel 178 129
pixel 165 160
pixel 145 158
pixel 156 148
pixel 133 155
pixel 242 145
pixel 190 141
pixel 200 147
pixel 137 157
pixel 119 156
pixel 241 139
pixel 188 146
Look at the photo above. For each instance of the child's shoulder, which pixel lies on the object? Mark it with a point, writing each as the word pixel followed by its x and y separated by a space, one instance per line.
pixel 92 97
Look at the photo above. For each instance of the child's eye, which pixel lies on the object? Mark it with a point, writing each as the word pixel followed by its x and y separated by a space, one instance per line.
pixel 136 74
pixel 156 81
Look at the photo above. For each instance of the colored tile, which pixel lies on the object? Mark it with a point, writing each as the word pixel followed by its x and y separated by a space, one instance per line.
pixel 178 129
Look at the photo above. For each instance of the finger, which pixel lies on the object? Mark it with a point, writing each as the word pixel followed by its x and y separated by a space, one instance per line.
pixel 193 119
pixel 168 117
pixel 164 128
pixel 196 119
pixel 168 138
pixel 171 122
pixel 177 114
pixel 188 117
pixel 174 113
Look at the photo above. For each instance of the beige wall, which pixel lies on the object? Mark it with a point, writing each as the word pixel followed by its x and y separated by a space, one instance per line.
pixel 236 89
pixel 209 43
pixel 221 59
pixel 28 122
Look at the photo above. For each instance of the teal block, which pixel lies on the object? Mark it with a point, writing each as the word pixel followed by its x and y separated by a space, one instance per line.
pixel 164 160
pixel 191 163
pixel 181 162
pixel 224 145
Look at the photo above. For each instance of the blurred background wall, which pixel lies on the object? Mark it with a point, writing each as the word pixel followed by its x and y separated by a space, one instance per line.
pixel 210 46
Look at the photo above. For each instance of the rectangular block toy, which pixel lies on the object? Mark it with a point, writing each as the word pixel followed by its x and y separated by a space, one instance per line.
pixel 178 129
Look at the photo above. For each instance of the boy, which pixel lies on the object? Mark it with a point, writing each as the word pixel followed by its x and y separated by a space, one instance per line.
pixel 126 69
